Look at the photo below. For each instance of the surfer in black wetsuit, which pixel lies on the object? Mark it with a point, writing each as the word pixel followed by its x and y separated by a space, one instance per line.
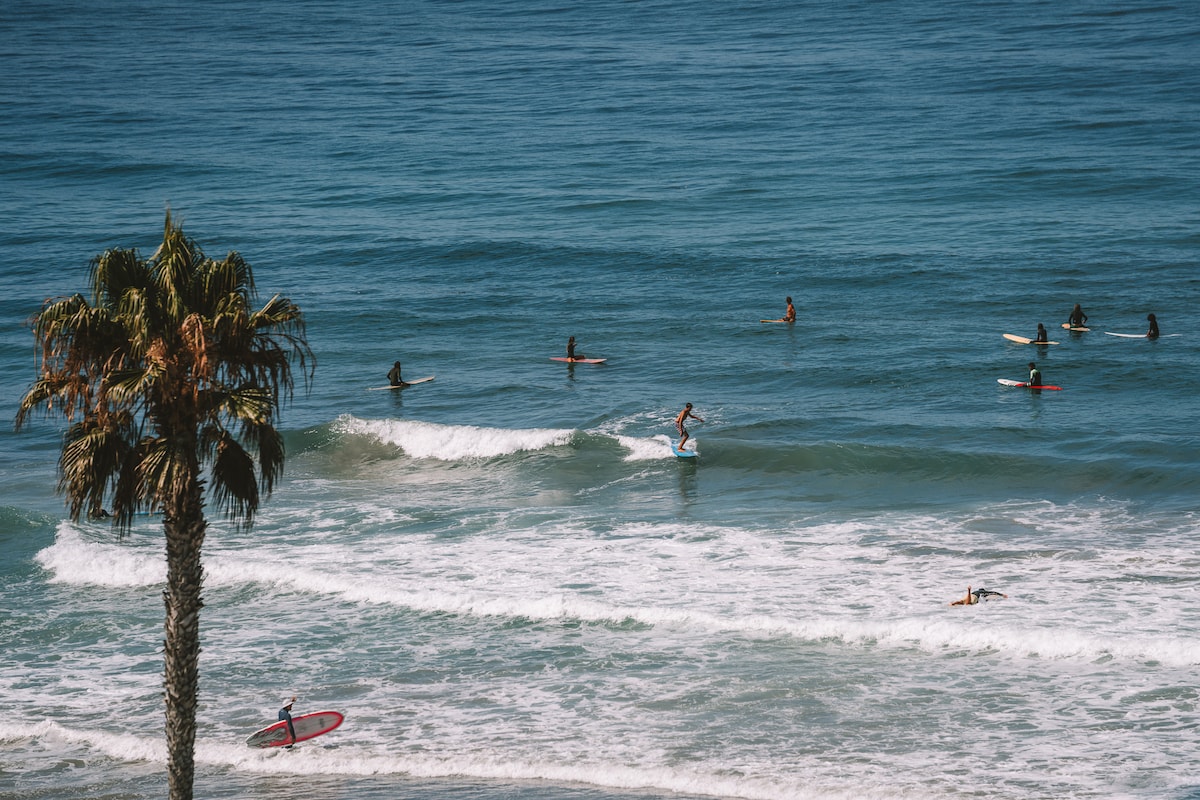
pixel 1078 319
pixel 973 597
pixel 1035 375
pixel 285 713
pixel 1153 332
pixel 571 354
pixel 1041 334
pixel 394 375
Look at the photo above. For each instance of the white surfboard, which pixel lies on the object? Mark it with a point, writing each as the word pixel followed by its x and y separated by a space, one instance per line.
pixel 1141 335
pixel 1012 337
pixel 403 385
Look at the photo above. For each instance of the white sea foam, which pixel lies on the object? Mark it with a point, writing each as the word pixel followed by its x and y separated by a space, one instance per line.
pixel 452 442
pixel 681 582
pixel 647 448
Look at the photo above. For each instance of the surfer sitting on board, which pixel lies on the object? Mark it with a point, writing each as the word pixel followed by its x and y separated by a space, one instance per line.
pixel 974 597
pixel 1035 375
pixel 394 375
pixel 571 354
pixel 1078 319
pixel 1041 334
pixel 790 314
pixel 1153 332
pixel 683 415
pixel 285 713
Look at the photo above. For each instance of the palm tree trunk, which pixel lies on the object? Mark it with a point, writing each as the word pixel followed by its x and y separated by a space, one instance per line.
pixel 185 526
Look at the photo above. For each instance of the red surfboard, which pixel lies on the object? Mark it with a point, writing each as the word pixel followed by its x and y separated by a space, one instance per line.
pixel 579 360
pixel 307 726
pixel 1007 382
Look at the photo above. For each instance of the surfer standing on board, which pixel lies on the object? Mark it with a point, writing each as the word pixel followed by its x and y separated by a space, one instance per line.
pixel 790 314
pixel 973 597
pixel 285 713
pixel 571 354
pixel 679 419
pixel 1153 332
pixel 394 375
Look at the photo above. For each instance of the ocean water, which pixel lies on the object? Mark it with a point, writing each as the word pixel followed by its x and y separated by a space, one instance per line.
pixel 503 577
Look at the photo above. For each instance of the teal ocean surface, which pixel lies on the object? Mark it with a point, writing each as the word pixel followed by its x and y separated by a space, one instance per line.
pixel 503 577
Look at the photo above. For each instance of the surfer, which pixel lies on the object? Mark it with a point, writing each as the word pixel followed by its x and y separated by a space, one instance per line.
pixel 394 375
pixel 973 597
pixel 1035 375
pixel 1078 319
pixel 1153 332
pixel 679 419
pixel 285 713
pixel 571 354
pixel 1041 337
pixel 790 314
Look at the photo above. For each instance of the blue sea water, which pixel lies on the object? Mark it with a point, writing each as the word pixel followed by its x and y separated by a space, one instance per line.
pixel 503 577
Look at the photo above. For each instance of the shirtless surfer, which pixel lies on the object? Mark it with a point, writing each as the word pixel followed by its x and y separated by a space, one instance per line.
pixel 790 314
pixel 973 597
pixel 679 420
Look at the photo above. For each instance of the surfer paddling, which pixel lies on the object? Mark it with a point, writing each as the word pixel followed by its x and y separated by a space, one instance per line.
pixel 679 420
pixel 973 597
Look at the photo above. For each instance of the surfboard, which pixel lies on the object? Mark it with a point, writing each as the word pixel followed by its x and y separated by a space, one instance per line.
pixel 1071 327
pixel 1141 335
pixel 307 727
pixel 579 360
pixel 1012 337
pixel 403 385
pixel 772 320
pixel 1007 382
pixel 683 453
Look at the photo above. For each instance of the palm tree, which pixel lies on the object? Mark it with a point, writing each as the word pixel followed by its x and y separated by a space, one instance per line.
pixel 170 381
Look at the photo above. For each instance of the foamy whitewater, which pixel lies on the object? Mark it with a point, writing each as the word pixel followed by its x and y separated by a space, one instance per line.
pixel 503 577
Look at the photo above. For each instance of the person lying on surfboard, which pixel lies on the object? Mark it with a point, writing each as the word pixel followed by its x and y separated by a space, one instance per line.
pixel 285 713
pixel 1078 319
pixel 571 354
pixel 973 597
pixel 1041 334
pixel 394 375
pixel 683 432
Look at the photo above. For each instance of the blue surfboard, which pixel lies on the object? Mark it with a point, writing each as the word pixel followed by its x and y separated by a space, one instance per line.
pixel 683 453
